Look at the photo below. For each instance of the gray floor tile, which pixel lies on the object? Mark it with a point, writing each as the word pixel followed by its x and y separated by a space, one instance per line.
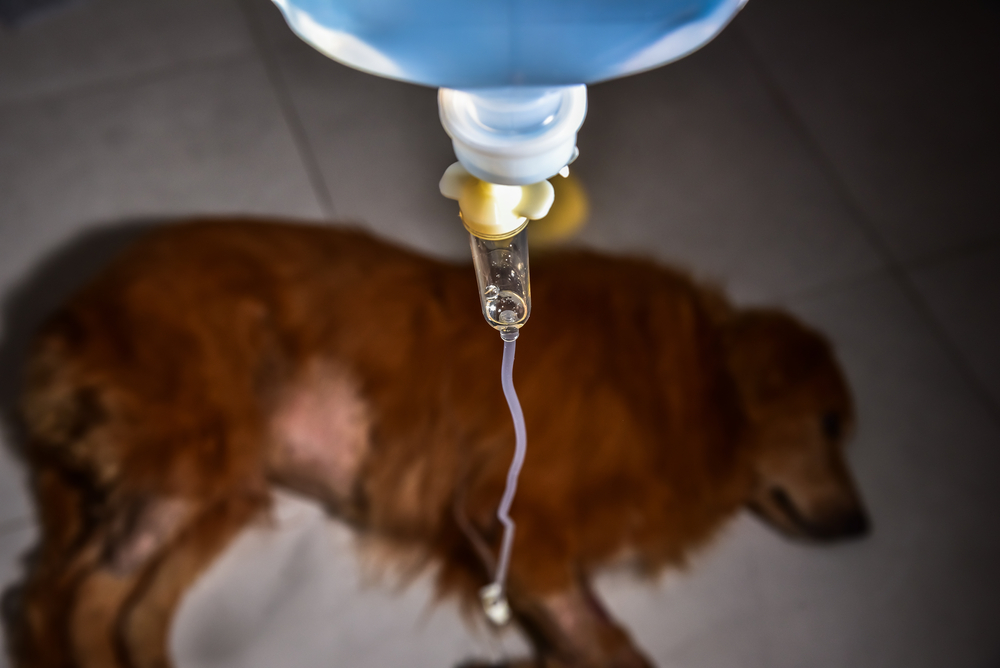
pixel 271 23
pixel 101 40
pixel 16 538
pixel 964 294
pixel 704 617
pixel 381 149
pixel 14 502
pixel 15 541
pixel 694 163
pixel 297 594
pixel 209 142
pixel 903 99
pixel 923 590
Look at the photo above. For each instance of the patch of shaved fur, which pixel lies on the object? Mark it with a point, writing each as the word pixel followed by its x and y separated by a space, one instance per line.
pixel 320 435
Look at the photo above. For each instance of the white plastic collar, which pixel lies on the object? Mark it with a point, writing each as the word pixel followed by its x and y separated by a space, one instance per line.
pixel 514 136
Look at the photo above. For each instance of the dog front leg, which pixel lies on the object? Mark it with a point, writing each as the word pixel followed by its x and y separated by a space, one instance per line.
pixel 571 629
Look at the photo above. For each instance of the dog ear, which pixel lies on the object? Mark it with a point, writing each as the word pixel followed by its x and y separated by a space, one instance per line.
pixel 770 352
pixel 689 361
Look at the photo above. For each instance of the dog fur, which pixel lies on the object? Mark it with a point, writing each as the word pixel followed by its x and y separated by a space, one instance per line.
pixel 216 359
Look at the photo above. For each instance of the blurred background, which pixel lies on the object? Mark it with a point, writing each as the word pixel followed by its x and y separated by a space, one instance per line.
pixel 836 157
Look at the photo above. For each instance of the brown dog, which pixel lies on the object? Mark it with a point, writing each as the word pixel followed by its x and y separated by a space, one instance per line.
pixel 215 359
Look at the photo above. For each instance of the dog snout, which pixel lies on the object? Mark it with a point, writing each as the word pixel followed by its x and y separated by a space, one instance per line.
pixel 822 520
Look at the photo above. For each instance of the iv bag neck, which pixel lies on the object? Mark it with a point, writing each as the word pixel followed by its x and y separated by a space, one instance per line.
pixel 514 135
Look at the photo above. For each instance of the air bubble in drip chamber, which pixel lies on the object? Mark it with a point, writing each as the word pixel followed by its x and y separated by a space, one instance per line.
pixel 506 309
pixel 502 274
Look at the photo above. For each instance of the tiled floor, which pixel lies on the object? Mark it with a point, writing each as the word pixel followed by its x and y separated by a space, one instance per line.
pixel 836 156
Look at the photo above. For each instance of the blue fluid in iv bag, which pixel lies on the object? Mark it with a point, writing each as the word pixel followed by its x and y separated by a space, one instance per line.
pixel 468 44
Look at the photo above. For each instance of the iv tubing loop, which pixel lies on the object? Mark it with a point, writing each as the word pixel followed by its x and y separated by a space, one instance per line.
pixel 520 446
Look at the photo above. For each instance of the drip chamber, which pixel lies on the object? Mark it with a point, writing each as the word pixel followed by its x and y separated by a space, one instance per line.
pixel 501 267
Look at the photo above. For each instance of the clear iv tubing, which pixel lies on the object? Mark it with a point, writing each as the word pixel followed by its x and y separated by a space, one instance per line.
pixel 520 446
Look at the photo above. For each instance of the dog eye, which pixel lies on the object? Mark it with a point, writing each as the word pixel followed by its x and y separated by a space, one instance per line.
pixel 832 427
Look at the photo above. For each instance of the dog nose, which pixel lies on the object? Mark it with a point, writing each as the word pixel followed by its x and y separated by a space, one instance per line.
pixel 855 525
pixel 850 525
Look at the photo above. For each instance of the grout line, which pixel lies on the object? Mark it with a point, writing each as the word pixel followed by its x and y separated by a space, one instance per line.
pixel 292 119
pixel 962 251
pixel 125 80
pixel 866 225
pixel 834 285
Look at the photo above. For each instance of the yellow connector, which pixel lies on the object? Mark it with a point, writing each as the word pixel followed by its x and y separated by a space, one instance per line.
pixel 492 211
